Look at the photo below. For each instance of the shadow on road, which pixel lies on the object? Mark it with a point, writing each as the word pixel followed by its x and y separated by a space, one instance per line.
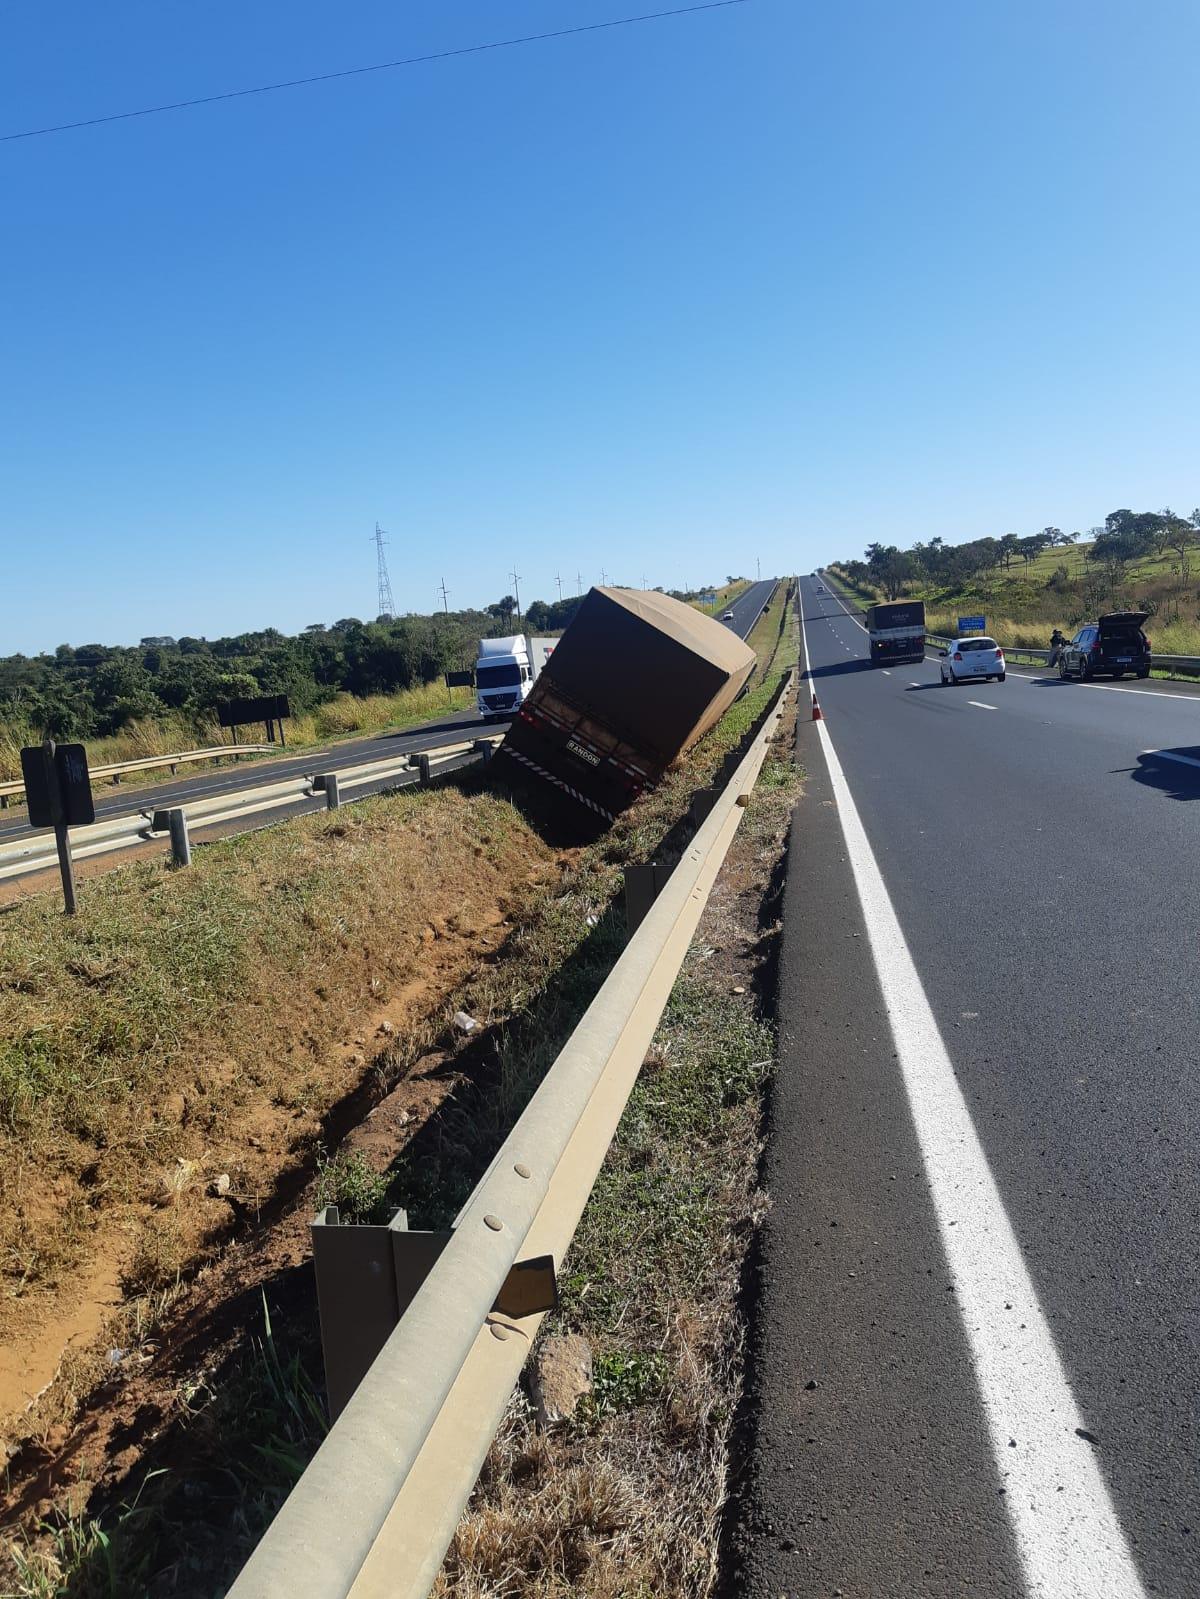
pixel 840 668
pixel 464 724
pixel 1175 773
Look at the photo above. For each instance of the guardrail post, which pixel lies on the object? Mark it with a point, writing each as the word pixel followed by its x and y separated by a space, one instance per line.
pixel 423 769
pixel 181 844
pixel 330 784
pixel 643 885
pixel 484 748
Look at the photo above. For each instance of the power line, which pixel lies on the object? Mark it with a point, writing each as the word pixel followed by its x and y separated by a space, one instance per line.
pixel 379 66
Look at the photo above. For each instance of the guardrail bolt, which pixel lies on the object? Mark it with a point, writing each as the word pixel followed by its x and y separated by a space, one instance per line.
pixel 522 1170
pixel 494 1223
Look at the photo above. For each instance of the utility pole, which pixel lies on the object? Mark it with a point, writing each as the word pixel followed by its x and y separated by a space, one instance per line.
pixel 603 577
pixel 387 605
pixel 558 580
pixel 758 568
pixel 516 582
pixel 579 582
pixel 445 598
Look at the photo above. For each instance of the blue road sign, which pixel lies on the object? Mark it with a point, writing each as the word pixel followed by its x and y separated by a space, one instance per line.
pixel 972 624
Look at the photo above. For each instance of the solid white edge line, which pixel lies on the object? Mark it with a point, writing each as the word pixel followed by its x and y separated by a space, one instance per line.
pixel 840 601
pixel 1066 1528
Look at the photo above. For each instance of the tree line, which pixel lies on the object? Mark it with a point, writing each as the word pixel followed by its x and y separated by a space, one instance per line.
pixel 91 690
pixel 1125 536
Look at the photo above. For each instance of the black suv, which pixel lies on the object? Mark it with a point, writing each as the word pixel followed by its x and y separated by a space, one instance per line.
pixel 1115 644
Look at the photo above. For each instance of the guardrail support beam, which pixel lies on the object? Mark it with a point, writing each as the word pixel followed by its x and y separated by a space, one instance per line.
pixel 329 782
pixel 181 844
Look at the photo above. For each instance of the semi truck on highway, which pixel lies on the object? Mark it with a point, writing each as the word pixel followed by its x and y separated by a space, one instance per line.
pixel 634 681
pixel 897 631
pixel 506 671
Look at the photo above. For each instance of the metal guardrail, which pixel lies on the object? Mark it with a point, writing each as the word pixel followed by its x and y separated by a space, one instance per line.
pixel 375 1511
pixel 36 852
pixel 116 769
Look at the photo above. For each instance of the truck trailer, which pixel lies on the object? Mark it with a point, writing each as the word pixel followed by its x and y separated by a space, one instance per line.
pixel 633 682
pixel 897 631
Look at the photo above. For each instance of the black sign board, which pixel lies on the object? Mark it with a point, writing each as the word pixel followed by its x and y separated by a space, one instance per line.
pixel 70 797
pixel 460 679
pixel 266 708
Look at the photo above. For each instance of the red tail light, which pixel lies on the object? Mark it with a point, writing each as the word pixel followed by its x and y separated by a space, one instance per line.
pixel 1145 641
pixel 1096 648
pixel 999 654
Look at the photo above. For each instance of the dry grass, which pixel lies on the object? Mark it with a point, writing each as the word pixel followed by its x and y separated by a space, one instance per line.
pixel 181 1005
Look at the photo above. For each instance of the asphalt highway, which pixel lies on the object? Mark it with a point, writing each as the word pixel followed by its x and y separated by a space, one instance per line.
pixel 977 1350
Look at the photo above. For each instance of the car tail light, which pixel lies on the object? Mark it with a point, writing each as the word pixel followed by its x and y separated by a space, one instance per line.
pixel 999 654
pixel 1096 647
pixel 1146 640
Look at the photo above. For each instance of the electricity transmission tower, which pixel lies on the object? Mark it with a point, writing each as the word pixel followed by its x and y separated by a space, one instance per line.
pixel 445 598
pixel 387 605
pixel 516 578
pixel 558 580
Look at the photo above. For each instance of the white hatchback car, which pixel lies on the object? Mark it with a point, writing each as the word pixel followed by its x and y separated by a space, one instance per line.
pixel 971 657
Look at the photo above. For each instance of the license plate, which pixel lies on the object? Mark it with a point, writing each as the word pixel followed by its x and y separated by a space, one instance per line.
pixel 1124 660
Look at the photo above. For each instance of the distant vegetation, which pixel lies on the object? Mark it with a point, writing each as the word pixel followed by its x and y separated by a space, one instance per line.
pixel 1139 560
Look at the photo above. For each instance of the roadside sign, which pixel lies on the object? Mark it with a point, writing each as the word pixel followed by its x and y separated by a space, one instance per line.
pixel 265 708
pixel 58 792
pixel 58 776
pixel 972 624
pixel 460 679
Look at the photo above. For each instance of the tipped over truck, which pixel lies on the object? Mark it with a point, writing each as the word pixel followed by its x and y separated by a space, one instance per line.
pixel 634 681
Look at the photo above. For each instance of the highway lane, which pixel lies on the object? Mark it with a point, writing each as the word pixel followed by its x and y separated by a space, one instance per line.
pixel 747 608
pixel 1045 872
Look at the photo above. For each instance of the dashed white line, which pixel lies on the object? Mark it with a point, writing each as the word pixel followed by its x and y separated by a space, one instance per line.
pixel 886 673
pixel 982 706
pixel 1063 1518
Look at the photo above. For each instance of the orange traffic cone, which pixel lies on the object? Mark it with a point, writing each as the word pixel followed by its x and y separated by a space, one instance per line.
pixel 817 717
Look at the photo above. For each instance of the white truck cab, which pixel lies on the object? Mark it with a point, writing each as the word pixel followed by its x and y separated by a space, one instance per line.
pixel 505 672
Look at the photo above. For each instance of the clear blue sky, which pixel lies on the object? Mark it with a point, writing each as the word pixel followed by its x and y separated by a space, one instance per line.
pixel 770 281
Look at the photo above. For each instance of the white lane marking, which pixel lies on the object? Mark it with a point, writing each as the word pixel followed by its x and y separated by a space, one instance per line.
pixel 914 682
pixel 982 706
pixel 1168 755
pixel 886 673
pixel 1063 1518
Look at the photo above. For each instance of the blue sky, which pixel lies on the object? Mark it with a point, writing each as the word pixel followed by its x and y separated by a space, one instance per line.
pixel 765 282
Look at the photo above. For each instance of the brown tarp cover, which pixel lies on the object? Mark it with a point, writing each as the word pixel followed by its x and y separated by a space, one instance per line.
pixel 655 670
